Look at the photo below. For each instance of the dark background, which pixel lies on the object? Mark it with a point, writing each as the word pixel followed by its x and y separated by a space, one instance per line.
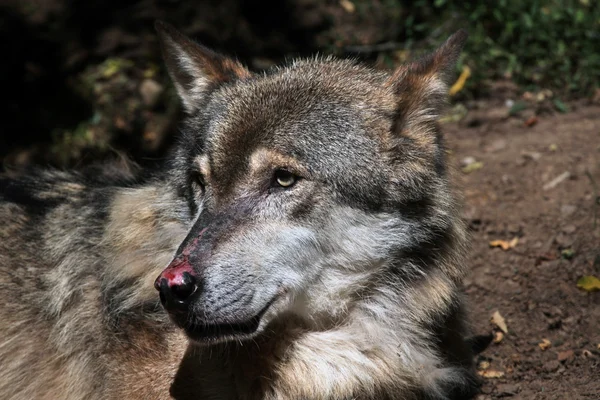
pixel 82 79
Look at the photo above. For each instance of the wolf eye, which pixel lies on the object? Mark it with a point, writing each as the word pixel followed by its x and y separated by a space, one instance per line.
pixel 284 178
pixel 198 181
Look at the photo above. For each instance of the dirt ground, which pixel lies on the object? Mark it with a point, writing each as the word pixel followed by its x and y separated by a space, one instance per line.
pixel 533 285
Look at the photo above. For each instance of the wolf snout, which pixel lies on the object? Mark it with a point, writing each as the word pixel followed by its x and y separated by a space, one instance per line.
pixel 177 285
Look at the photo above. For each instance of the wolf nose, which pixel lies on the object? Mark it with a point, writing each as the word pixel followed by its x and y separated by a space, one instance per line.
pixel 176 288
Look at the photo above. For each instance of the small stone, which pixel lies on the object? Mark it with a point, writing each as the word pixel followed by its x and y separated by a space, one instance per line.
pixel 554 323
pixel 496 113
pixel 150 90
pixel 498 337
pixel 565 356
pixel 564 241
pixel 567 210
pixel 515 229
pixel 569 229
pixel 495 146
pixel 467 161
pixel 552 366
pixel 531 155
pixel 507 389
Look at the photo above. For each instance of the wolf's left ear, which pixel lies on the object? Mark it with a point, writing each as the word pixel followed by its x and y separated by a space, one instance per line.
pixel 195 69
pixel 421 87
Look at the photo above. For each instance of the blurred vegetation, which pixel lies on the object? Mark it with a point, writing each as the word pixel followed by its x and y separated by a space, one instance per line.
pixel 85 79
pixel 551 44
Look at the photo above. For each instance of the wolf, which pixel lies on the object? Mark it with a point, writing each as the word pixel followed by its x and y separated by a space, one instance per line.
pixel 304 239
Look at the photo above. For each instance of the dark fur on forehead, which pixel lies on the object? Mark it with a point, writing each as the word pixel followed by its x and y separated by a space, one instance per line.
pixel 325 112
pixel 367 134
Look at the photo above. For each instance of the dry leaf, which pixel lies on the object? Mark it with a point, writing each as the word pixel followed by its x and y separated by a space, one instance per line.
pixel 491 374
pixel 545 344
pixel 498 336
pixel 467 169
pixel 348 6
pixel 588 283
pixel 531 121
pixel 460 82
pixel 498 320
pixel 483 365
pixel 505 245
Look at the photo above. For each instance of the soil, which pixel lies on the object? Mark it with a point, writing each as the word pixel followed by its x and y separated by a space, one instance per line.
pixel 534 285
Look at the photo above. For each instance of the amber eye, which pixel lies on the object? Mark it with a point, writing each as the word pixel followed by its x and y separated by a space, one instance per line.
pixel 284 178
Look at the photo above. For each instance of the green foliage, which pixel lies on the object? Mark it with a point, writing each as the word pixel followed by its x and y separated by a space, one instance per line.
pixel 537 43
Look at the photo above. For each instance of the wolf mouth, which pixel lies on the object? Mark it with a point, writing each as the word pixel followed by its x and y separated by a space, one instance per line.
pixel 206 331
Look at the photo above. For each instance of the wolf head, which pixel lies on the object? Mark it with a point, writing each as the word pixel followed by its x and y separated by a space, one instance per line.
pixel 308 186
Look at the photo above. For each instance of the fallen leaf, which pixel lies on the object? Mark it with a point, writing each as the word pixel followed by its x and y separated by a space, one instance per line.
pixel 499 321
pixel 472 167
pixel 498 336
pixel 531 121
pixel 348 6
pixel 491 374
pixel 483 365
pixel 460 82
pixel 588 283
pixel 545 344
pixel 505 245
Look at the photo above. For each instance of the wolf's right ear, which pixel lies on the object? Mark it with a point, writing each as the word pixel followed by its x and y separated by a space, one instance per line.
pixel 195 69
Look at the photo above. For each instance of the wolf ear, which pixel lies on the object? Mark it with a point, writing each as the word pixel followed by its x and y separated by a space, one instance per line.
pixel 194 69
pixel 421 87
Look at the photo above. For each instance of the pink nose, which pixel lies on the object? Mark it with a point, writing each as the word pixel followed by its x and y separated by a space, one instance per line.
pixel 176 284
